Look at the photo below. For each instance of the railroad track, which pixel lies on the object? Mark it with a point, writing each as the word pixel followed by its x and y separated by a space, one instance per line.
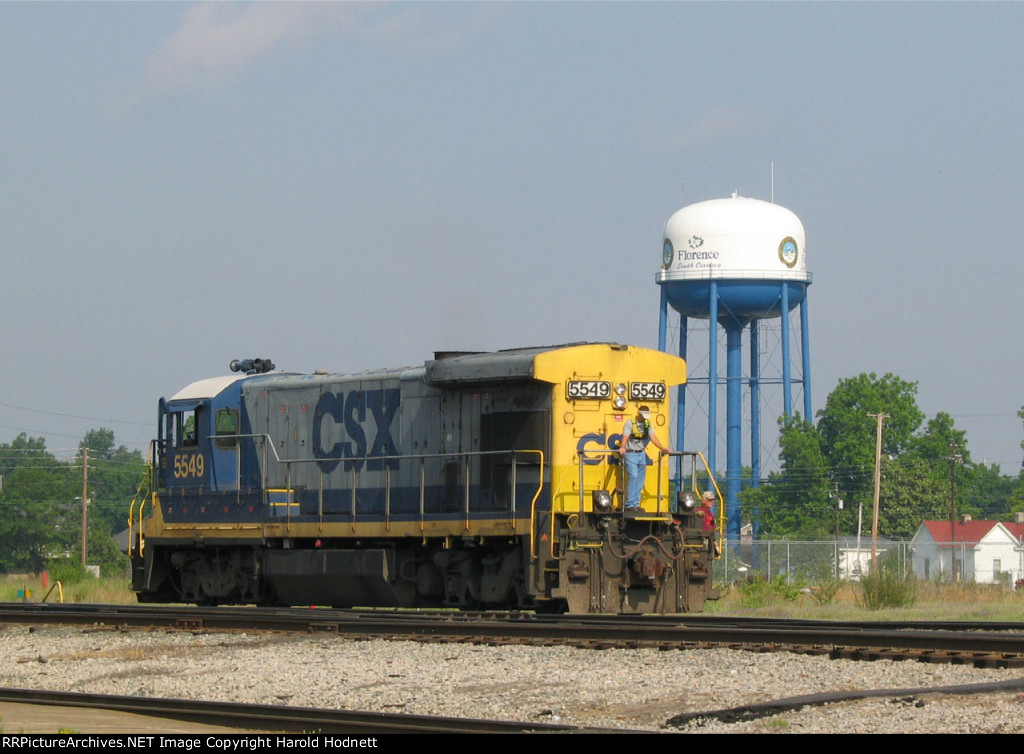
pixel 999 645
pixel 262 718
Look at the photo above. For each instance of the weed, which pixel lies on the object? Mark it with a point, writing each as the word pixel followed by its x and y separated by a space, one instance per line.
pixel 888 586
pixel 761 592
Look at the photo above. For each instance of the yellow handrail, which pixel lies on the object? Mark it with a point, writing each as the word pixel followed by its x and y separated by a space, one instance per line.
pixel 144 490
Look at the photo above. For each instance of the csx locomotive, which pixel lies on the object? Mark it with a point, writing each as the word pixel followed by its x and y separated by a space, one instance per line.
pixel 476 481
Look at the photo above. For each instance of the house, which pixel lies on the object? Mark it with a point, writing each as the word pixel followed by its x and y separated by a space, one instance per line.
pixel 983 552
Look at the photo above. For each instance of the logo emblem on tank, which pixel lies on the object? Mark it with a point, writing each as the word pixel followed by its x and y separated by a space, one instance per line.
pixel 788 253
pixel 666 254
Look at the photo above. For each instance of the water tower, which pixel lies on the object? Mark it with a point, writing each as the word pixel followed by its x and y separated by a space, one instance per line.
pixel 736 262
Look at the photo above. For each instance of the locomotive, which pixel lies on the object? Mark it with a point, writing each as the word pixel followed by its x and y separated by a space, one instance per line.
pixel 475 481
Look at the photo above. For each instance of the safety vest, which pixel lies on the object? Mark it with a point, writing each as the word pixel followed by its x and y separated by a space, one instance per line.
pixel 641 428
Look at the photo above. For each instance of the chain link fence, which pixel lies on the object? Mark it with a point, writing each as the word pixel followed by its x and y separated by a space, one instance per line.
pixel 800 562
pixel 848 559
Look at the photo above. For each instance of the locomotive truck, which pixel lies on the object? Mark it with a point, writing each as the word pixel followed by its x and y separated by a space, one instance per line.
pixel 475 481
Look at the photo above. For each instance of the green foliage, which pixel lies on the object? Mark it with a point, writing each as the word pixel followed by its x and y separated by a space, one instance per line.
pixel 114 475
pixel 825 584
pixel 37 511
pixel 67 571
pixel 984 492
pixel 40 501
pixel 794 502
pixel 848 431
pixel 910 494
pixel 104 553
pixel 760 592
pixel 888 586
pixel 824 591
pixel 922 469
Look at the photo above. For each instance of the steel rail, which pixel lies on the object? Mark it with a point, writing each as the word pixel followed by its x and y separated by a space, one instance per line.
pixel 284 719
pixel 954 645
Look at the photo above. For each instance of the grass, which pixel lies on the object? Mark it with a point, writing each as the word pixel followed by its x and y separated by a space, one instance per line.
pixel 932 601
pixel 88 590
pixel 777 599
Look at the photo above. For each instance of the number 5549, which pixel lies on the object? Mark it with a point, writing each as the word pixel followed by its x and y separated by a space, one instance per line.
pixel 189 466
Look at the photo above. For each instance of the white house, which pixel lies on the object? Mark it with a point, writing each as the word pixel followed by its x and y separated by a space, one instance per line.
pixel 983 552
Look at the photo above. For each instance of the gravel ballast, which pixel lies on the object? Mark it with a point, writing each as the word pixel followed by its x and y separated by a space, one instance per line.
pixel 634 689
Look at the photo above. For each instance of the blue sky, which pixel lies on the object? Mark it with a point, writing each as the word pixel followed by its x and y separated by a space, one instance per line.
pixel 350 186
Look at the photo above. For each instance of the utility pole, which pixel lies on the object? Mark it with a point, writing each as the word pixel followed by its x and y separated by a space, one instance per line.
pixel 878 484
pixel 954 458
pixel 85 503
pixel 837 505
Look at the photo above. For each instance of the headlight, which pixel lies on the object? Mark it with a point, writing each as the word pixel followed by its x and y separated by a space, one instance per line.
pixel 602 501
pixel 687 500
pixel 619 403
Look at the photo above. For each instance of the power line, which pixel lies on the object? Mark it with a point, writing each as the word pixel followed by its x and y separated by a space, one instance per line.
pixel 71 416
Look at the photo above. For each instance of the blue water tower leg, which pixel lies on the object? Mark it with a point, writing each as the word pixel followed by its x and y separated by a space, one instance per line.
pixel 805 345
pixel 713 376
pixel 755 404
pixel 663 321
pixel 734 427
pixel 787 372
pixel 681 391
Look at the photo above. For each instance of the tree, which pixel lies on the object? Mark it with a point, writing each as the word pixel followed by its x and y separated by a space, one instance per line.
pixel 939 442
pixel 848 431
pixel 23 451
pixel 983 491
pixel 795 501
pixel 1020 415
pixel 114 476
pixel 40 501
pixel 839 455
pixel 910 493
pixel 37 506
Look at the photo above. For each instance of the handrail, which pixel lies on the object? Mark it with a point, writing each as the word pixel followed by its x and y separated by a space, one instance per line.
pixel 140 497
pixel 662 455
pixel 662 506
pixel 721 519
pixel 389 461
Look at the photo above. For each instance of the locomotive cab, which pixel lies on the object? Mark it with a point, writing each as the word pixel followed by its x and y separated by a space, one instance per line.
pixel 197 443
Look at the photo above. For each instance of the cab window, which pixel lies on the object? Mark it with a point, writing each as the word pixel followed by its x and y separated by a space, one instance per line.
pixel 226 427
pixel 185 429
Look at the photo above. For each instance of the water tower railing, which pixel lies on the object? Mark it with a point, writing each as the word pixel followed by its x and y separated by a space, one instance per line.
pixel 673 276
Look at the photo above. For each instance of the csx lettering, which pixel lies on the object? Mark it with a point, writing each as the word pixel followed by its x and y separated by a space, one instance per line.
pixel 348 411
pixel 581 449
pixel 612 442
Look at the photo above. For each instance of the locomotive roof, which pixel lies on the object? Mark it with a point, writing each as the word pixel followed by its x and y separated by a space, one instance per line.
pixel 206 388
pixel 448 368
pixel 497 366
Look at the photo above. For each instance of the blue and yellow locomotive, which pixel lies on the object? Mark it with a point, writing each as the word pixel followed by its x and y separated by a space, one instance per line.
pixel 478 480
